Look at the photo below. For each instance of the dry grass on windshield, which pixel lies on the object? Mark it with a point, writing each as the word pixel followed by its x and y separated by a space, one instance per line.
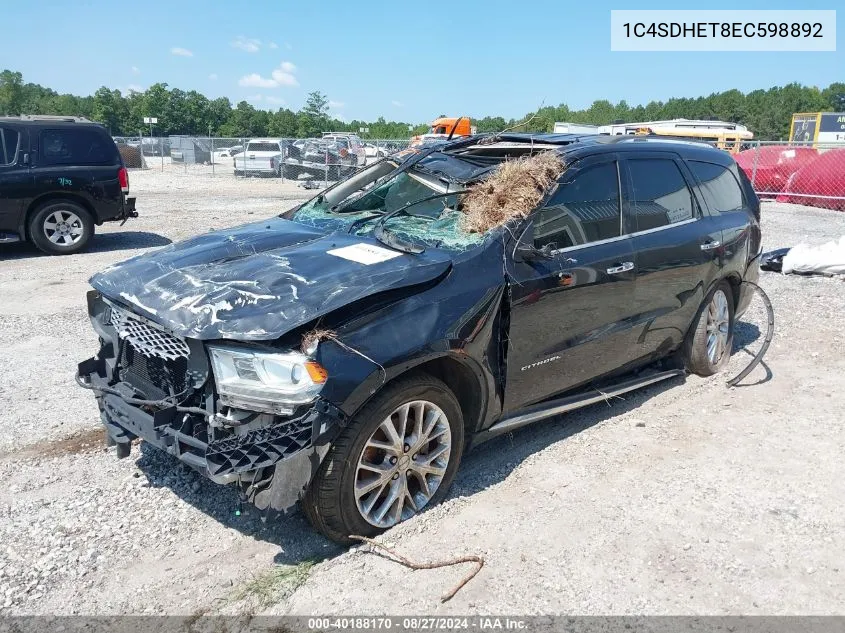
pixel 513 190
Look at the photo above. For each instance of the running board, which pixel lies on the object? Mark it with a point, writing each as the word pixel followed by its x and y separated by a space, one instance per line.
pixel 570 403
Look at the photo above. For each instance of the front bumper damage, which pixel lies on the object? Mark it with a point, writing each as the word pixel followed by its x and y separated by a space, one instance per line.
pixel 290 449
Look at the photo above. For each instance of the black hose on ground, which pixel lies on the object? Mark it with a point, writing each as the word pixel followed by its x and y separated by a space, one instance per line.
pixel 770 332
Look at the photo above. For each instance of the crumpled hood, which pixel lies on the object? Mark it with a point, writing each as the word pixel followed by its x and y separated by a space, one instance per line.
pixel 260 280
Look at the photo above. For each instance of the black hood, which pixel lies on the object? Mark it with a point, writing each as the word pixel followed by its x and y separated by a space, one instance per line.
pixel 260 280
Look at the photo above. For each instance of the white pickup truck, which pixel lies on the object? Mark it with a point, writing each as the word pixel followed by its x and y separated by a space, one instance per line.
pixel 261 157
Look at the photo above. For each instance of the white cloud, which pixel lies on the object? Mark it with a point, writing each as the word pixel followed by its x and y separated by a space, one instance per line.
pixel 136 70
pixel 336 105
pixel 284 74
pixel 213 76
pixel 134 88
pixel 276 100
pixel 248 44
pixel 398 104
pixel 181 52
pixel 254 80
pixel 273 45
pixel 281 76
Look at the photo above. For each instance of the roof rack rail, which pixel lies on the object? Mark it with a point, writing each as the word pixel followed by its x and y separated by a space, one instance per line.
pixel 49 117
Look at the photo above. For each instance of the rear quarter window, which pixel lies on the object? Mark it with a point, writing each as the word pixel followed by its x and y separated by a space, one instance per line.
pixel 77 146
pixel 719 187
pixel 9 142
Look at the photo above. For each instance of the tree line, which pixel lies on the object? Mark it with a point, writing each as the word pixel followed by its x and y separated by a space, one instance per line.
pixel 766 112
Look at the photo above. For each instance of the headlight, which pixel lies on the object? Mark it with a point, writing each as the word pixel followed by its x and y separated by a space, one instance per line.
pixel 265 381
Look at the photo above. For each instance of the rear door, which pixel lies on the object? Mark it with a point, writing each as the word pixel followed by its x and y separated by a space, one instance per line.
pixel 570 316
pixel 734 213
pixel 677 246
pixel 82 160
pixel 15 177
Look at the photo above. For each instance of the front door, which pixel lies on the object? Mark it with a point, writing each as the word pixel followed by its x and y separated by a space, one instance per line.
pixel 15 178
pixel 570 315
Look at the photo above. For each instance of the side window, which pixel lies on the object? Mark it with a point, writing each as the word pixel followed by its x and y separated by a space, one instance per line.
pixel 584 209
pixel 9 142
pixel 659 194
pixel 76 147
pixel 719 186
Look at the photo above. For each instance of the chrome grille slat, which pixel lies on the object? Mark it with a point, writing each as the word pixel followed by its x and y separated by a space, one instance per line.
pixel 148 340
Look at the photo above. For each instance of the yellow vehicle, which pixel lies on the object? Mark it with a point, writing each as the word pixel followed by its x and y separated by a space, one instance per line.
pixel 730 141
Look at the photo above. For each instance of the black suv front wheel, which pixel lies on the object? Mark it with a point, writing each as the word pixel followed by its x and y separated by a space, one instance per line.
pixel 396 457
pixel 61 227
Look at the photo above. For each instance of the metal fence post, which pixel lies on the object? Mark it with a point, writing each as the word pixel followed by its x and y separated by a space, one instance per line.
pixel 211 143
pixel 754 169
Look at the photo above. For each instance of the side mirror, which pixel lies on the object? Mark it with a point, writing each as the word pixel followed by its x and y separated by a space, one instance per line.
pixel 528 252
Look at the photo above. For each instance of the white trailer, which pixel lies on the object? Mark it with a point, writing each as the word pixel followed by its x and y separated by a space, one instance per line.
pixel 575 128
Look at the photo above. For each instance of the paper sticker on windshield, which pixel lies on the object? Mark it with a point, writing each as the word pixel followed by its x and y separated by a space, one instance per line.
pixel 364 253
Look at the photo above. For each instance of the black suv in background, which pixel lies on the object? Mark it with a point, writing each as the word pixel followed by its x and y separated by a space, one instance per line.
pixel 59 176
pixel 345 353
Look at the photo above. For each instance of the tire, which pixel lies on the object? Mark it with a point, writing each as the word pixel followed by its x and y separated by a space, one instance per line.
pixel 330 503
pixel 61 227
pixel 714 325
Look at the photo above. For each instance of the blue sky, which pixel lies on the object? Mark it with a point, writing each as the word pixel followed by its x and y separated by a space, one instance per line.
pixel 402 60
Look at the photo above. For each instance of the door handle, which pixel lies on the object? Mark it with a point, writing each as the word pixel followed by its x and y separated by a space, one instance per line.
pixel 621 268
pixel 712 244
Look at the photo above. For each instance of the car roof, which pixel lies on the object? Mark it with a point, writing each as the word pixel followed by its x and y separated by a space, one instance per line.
pixel 581 145
pixel 51 120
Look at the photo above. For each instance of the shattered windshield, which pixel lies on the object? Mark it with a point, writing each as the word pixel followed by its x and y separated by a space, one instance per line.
pixel 426 212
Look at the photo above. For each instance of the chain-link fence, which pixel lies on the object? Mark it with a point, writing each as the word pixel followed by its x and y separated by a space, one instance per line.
pixel 811 174
pixel 311 160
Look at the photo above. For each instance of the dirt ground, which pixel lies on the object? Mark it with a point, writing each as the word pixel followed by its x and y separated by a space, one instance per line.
pixel 685 498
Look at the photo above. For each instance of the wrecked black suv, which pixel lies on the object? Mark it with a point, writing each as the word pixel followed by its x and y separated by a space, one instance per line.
pixel 345 354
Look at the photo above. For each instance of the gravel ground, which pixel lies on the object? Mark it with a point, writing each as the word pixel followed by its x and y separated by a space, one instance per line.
pixel 687 497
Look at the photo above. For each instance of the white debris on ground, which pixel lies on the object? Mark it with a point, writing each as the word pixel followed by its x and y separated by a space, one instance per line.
pixel 687 497
pixel 823 259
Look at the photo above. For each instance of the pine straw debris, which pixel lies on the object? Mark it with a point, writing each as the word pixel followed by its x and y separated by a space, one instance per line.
pixel 512 191
pixel 315 336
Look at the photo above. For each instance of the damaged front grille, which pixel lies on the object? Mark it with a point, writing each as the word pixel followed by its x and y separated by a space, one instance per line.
pixel 146 338
pixel 156 377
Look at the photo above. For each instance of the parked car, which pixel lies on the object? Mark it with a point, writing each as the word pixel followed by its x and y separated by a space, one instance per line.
pixel 261 157
pixel 375 151
pixel 59 178
pixel 227 152
pixel 353 144
pixel 321 158
pixel 345 354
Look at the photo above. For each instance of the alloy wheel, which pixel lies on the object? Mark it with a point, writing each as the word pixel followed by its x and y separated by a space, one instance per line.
pixel 403 463
pixel 718 327
pixel 63 227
